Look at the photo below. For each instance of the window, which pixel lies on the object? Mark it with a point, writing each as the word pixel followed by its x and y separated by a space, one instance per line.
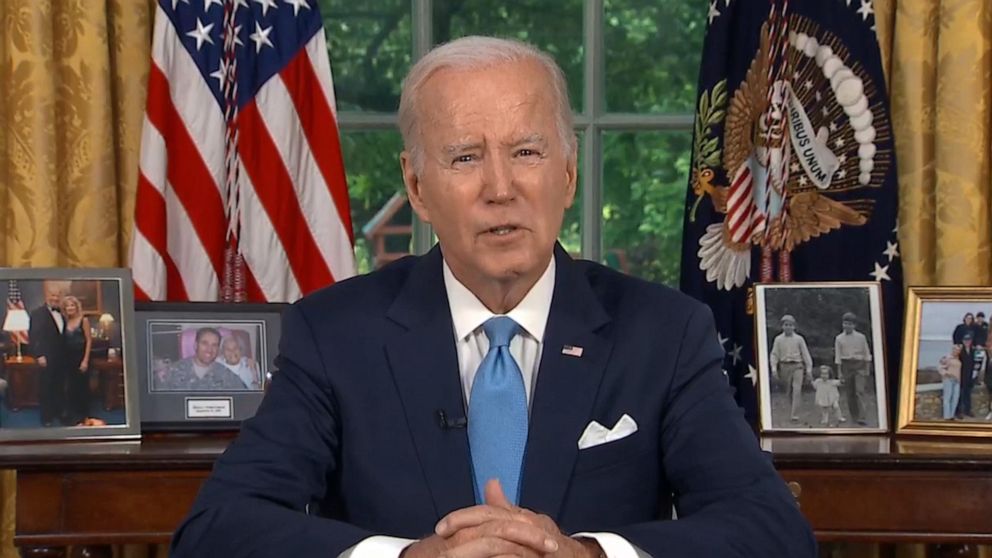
pixel 631 66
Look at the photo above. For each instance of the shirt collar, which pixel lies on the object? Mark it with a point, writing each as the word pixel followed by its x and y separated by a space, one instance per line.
pixel 468 313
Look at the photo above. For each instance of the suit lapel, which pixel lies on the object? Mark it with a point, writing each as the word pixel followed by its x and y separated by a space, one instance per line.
pixel 566 388
pixel 425 368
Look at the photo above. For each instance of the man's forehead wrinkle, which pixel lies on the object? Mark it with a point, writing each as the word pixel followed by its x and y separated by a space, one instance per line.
pixel 462 146
pixel 525 137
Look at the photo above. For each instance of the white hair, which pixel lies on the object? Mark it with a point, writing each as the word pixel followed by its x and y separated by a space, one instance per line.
pixel 476 53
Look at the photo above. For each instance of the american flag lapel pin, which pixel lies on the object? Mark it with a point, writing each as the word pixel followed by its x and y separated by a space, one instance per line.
pixel 572 350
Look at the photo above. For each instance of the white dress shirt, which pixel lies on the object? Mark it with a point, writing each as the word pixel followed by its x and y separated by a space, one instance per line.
pixel 471 344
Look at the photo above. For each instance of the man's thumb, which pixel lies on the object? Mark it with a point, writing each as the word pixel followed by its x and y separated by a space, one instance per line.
pixel 494 495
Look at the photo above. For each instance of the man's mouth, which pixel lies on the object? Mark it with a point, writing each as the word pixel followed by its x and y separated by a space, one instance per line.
pixel 502 230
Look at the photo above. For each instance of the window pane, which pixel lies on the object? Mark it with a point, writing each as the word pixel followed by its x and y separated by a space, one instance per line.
pixel 652 54
pixel 644 184
pixel 370 51
pixel 380 213
pixel 557 31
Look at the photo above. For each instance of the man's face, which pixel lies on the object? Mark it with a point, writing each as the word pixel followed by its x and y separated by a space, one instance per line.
pixel 496 179
pixel 848 326
pixel 980 320
pixel 206 348
pixel 52 295
pixel 788 328
pixel 232 351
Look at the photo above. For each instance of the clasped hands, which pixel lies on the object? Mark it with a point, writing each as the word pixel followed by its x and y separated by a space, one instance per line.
pixel 497 529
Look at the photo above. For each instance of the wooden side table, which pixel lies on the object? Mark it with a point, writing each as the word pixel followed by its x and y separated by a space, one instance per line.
pixel 111 381
pixel 876 489
pixel 22 383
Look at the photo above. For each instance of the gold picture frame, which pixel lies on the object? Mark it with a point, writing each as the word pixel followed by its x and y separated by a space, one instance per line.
pixel 936 323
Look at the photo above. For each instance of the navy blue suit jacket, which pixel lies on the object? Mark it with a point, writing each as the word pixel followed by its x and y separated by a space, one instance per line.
pixel 347 442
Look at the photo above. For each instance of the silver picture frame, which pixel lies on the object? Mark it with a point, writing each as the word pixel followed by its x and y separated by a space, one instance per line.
pixel 68 400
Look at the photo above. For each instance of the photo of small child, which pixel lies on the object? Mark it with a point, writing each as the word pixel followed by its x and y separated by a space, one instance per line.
pixel 827 395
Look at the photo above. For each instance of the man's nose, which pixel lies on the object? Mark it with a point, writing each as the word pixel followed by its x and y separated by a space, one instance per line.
pixel 497 176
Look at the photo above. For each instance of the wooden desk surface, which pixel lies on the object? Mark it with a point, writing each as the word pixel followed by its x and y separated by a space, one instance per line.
pixel 156 452
pixel 850 488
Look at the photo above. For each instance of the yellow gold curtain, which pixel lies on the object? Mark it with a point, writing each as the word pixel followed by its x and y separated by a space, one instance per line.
pixel 940 72
pixel 72 90
pixel 936 55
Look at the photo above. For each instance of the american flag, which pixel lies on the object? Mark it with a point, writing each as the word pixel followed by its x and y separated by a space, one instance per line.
pixel 241 192
pixel 15 302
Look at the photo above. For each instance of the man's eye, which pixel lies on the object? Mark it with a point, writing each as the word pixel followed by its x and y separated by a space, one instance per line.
pixel 526 153
pixel 464 159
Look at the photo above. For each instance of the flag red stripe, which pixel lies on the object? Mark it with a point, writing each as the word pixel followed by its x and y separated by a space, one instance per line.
pixel 274 189
pixel 320 128
pixel 150 216
pixel 187 172
pixel 175 289
pixel 252 288
pixel 151 221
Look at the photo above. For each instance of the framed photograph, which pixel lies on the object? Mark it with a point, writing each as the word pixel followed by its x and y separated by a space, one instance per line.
pixel 69 364
pixel 946 378
pixel 204 366
pixel 821 358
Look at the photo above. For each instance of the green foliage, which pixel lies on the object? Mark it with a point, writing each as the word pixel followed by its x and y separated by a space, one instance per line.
pixel 644 179
pixel 652 54
pixel 557 31
pixel 369 44
pixel 372 161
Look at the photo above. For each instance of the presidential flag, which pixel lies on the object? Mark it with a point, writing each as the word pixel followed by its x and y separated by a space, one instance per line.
pixel 241 193
pixel 793 174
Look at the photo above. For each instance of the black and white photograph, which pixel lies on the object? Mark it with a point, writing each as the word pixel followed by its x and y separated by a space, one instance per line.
pixel 204 365
pixel 66 370
pixel 820 358
pixel 948 379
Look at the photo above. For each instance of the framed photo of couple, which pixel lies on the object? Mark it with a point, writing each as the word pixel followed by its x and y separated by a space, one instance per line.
pixel 204 366
pixel 68 363
pixel 946 377
pixel 821 363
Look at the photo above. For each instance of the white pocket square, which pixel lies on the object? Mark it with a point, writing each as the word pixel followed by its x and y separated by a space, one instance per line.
pixel 596 434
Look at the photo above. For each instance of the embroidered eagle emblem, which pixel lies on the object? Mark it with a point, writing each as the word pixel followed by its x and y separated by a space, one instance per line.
pixel 798 136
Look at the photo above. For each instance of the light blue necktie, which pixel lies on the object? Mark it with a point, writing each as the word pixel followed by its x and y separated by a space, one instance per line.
pixel 497 413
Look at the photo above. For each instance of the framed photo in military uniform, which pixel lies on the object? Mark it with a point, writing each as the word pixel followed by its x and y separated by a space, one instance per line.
pixel 821 359
pixel 204 366
pixel 946 378
pixel 67 368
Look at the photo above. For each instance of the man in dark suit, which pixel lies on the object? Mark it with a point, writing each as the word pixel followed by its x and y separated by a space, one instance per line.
pixel 495 397
pixel 47 346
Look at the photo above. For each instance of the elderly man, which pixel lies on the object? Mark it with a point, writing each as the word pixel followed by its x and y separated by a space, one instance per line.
pixel 201 372
pixel 47 345
pixel 494 397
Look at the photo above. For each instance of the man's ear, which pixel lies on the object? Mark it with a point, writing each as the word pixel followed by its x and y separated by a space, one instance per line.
pixel 571 177
pixel 413 187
